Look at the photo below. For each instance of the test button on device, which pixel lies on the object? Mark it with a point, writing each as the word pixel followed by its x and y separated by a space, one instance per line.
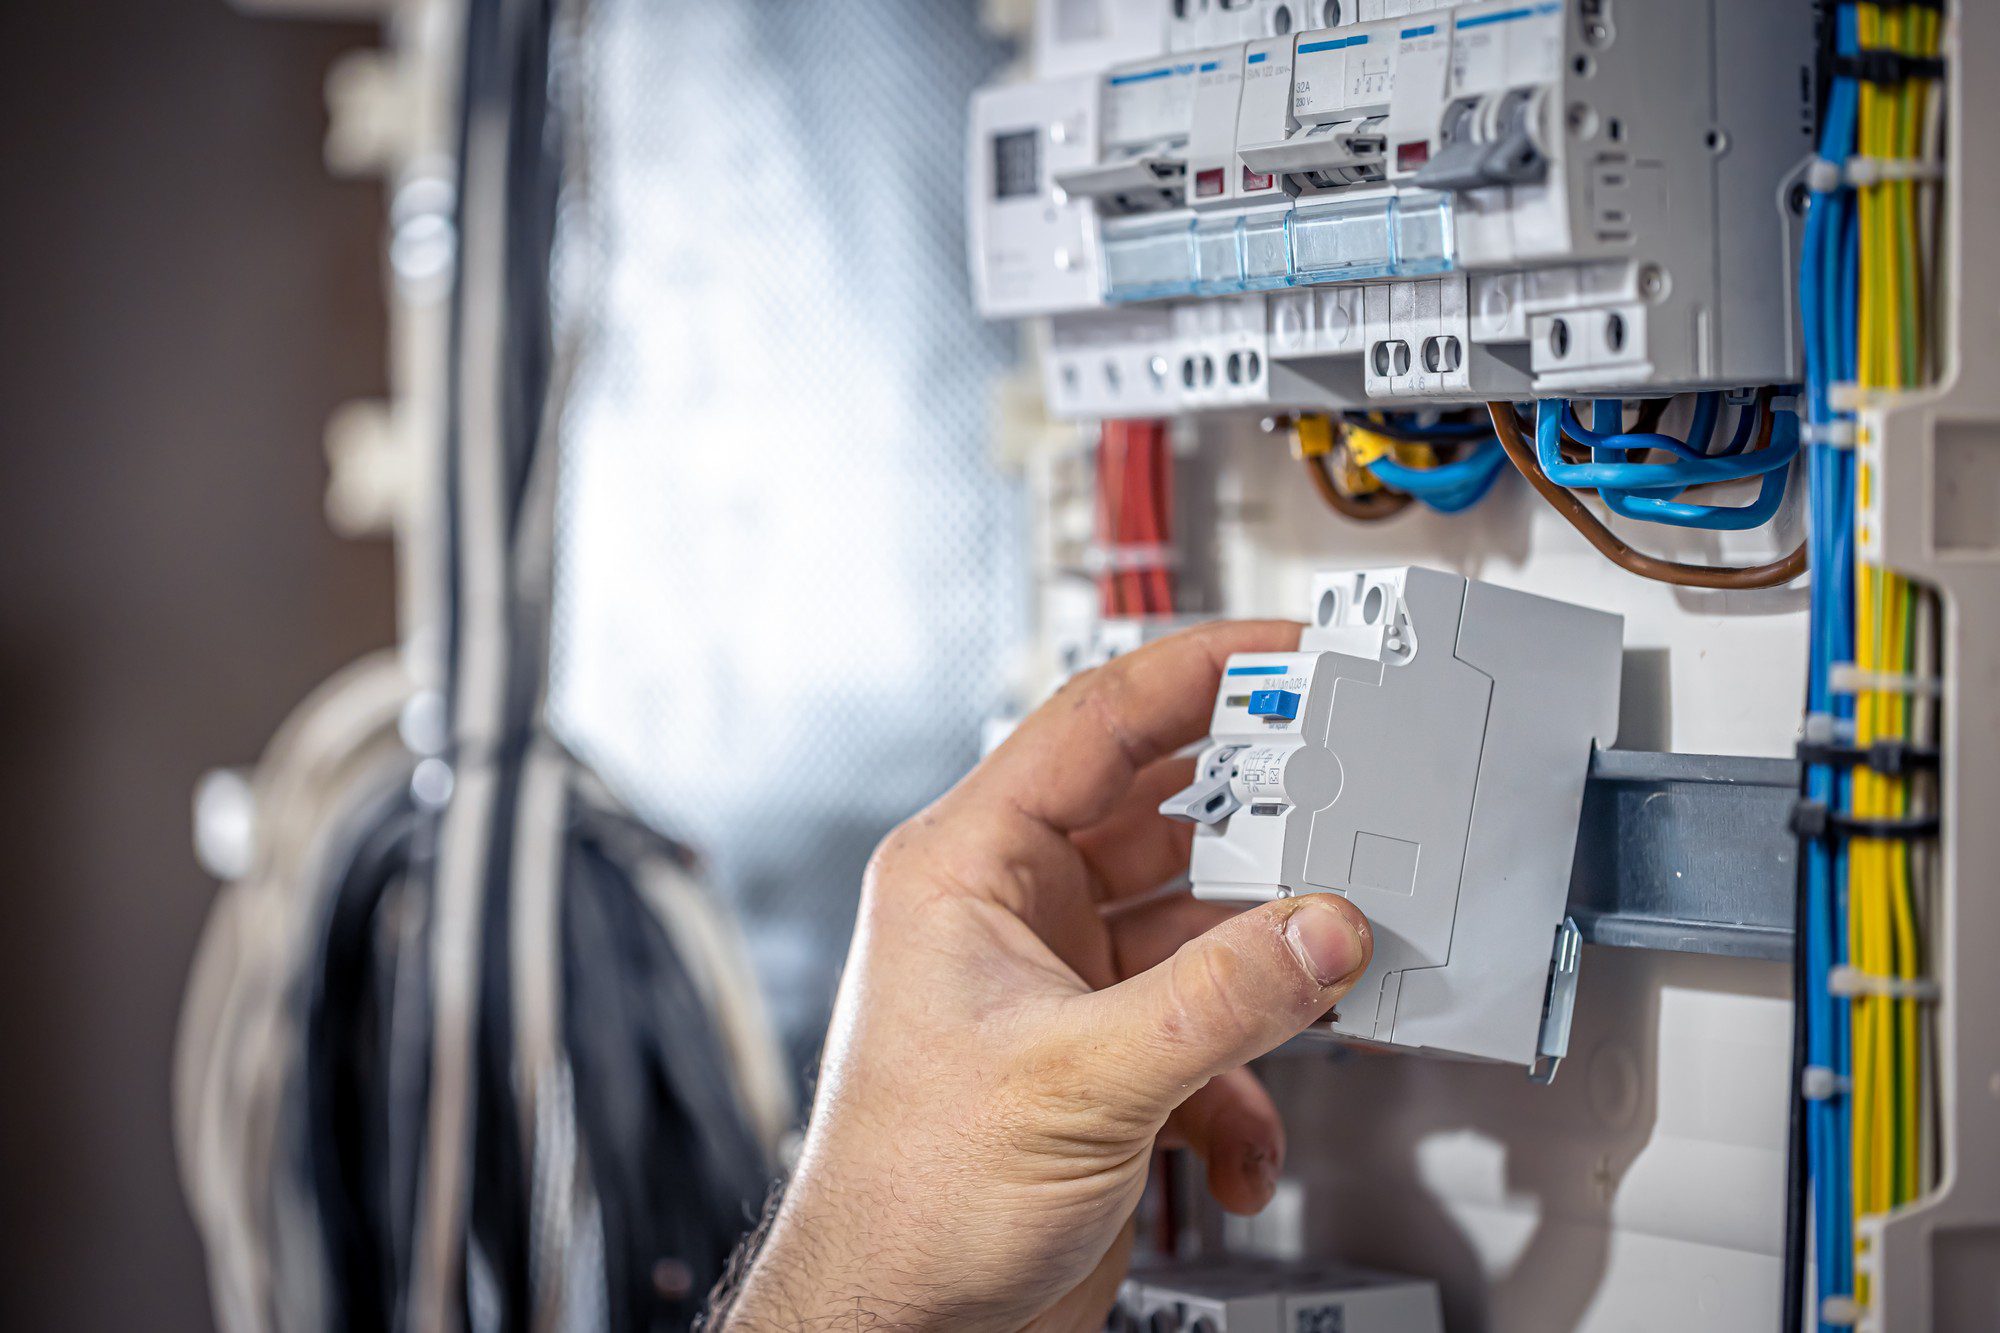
pixel 1280 704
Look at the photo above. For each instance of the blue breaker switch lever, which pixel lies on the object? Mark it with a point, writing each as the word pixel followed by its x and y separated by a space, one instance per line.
pixel 1280 704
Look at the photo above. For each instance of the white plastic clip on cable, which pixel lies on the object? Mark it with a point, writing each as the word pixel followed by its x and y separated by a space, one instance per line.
pixel 1834 434
pixel 1863 172
pixel 1424 753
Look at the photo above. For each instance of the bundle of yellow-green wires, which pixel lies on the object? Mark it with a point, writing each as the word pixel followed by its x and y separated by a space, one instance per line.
pixel 1889 880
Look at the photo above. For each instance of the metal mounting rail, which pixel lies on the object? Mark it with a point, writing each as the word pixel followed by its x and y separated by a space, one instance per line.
pixel 1688 852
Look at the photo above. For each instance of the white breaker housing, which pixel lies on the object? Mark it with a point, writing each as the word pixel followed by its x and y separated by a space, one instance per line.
pixel 1234 203
pixel 1423 753
pixel 1248 1295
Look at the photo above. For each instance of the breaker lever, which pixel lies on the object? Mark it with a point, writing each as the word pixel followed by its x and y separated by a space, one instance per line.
pixel 1209 799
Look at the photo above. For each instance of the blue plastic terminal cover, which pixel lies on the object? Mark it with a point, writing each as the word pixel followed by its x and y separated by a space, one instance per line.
pixel 1281 704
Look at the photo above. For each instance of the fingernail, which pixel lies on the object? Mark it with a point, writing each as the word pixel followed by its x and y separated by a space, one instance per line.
pixel 1267 1176
pixel 1261 1166
pixel 1326 941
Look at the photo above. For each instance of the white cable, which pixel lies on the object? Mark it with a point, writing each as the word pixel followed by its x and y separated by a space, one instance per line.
pixel 237 1045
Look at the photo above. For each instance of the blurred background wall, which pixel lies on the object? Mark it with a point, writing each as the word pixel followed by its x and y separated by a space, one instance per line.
pixel 184 296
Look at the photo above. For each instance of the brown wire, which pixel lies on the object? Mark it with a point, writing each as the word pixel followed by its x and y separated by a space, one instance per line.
pixel 1613 548
pixel 1370 508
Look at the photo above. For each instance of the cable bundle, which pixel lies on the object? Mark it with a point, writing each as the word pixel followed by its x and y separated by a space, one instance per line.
pixel 1867 290
pixel 471 1049
pixel 1135 518
pixel 1448 465
pixel 1371 466
pixel 1577 474
pixel 1762 445
pixel 301 1068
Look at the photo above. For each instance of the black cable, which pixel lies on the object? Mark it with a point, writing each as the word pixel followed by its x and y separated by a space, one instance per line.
pixel 639 1138
pixel 501 1204
pixel 507 197
pixel 1797 1179
pixel 676 1169
pixel 678 1173
pixel 346 1072
pixel 1445 433
pixel 505 80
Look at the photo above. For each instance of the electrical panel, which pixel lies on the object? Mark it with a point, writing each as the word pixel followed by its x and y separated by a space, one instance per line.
pixel 1267 1296
pixel 1669 307
pixel 1423 753
pixel 1328 205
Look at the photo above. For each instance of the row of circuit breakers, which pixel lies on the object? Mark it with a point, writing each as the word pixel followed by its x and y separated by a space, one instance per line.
pixel 1324 204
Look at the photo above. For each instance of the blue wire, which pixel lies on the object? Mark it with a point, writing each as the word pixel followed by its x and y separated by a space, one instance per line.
pixel 1746 421
pixel 1846 344
pixel 1456 501
pixel 1718 518
pixel 1647 476
pixel 1449 487
pixel 1614 440
pixel 1662 507
pixel 1475 470
pixel 1828 277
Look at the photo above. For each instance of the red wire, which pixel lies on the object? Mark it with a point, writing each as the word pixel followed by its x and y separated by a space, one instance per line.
pixel 1131 502
pixel 1134 514
pixel 1136 503
pixel 1107 584
pixel 1161 513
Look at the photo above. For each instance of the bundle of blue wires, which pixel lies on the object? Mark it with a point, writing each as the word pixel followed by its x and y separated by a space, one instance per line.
pixel 1448 488
pixel 1828 282
pixel 1650 491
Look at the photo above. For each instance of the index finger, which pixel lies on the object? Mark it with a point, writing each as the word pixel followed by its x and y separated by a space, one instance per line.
pixel 1070 761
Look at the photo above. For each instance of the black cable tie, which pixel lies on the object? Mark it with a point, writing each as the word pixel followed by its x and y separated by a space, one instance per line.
pixel 1808 821
pixel 1891 758
pixel 1891 67
pixel 1812 821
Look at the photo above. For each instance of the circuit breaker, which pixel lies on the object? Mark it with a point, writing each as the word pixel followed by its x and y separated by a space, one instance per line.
pixel 1323 206
pixel 1267 1296
pixel 1423 753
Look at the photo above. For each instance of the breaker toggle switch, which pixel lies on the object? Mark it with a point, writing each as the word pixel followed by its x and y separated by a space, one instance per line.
pixel 1279 705
pixel 1210 798
pixel 1487 141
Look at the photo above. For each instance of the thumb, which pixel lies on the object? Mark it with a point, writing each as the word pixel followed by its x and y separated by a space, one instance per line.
pixel 1229 995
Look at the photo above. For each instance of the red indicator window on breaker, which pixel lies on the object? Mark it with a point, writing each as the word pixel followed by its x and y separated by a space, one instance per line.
pixel 1208 184
pixel 1410 156
pixel 1256 180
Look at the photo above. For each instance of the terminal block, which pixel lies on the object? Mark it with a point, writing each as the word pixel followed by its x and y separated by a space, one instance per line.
pixel 1268 1296
pixel 1423 753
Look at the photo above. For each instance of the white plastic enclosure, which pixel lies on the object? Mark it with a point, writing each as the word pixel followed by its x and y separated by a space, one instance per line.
pixel 1423 753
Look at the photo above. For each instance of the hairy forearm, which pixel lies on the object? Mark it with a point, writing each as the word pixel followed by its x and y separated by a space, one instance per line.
pixel 793 1274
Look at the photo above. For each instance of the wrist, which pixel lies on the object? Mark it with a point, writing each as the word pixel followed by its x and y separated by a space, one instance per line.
pixel 814 1268
pixel 788 1293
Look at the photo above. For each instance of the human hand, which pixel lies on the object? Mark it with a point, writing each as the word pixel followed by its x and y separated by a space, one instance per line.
pixel 1021 1016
